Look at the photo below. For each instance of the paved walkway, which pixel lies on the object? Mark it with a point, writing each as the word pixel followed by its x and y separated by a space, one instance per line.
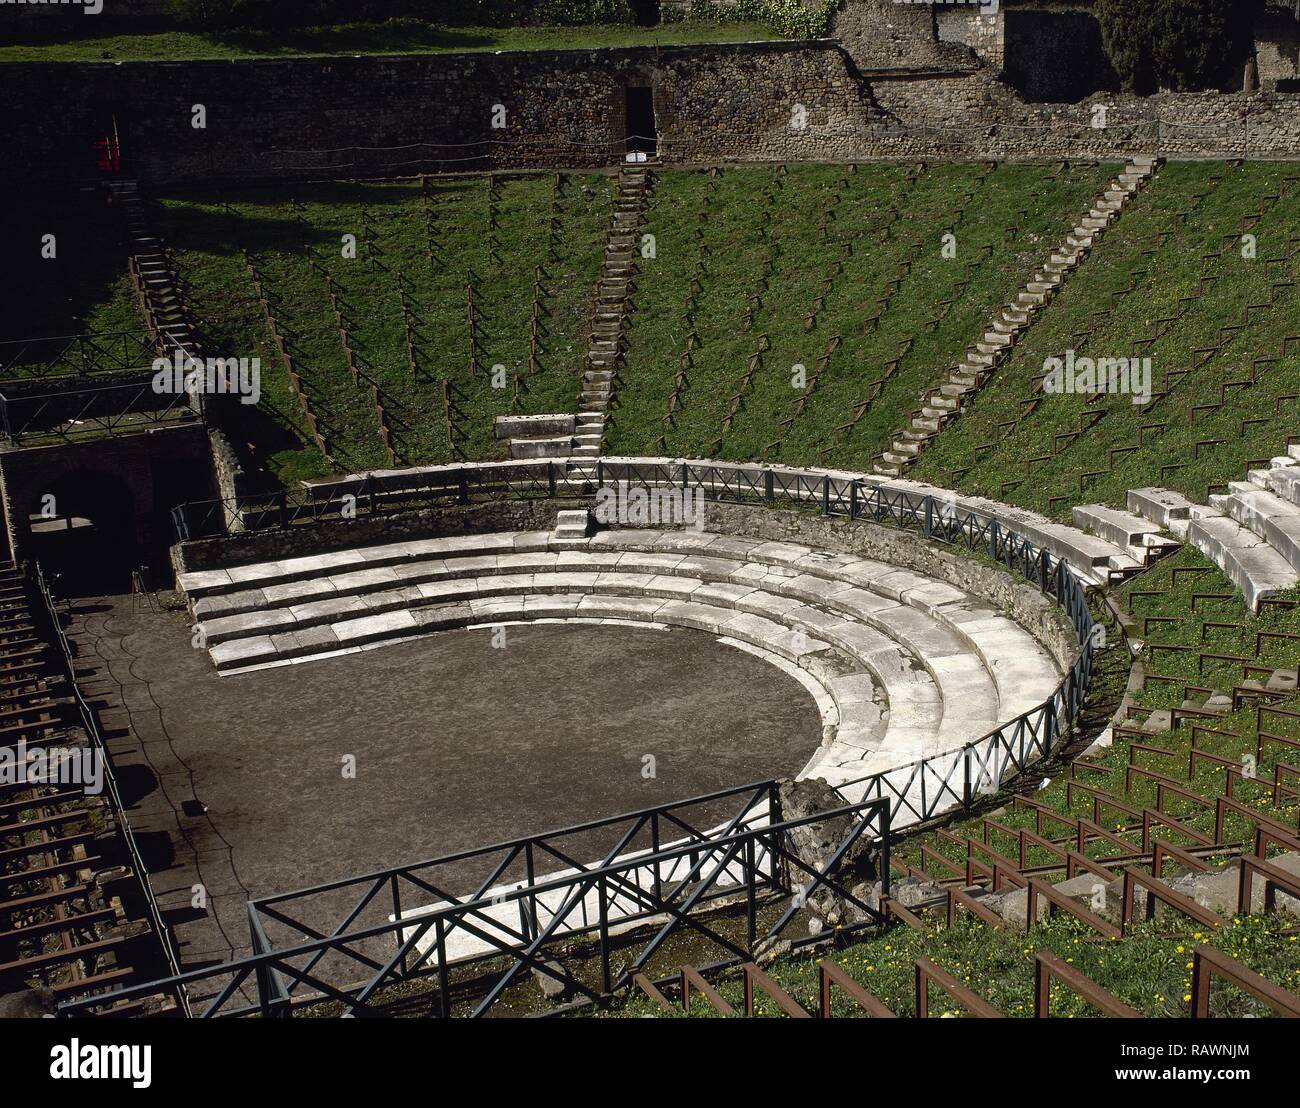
pixel 457 745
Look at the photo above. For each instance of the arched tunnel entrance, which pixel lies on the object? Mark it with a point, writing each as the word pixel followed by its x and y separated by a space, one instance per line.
pixel 83 532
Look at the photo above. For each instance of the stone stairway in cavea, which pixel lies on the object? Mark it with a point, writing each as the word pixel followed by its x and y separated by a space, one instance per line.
pixel 582 435
pixel 944 403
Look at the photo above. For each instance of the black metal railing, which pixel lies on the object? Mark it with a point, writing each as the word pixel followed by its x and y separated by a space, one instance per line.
pixel 90 723
pixel 68 414
pixel 348 941
pixel 77 355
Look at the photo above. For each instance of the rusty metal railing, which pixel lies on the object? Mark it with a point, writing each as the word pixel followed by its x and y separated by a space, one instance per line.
pixel 927 972
pixel 1048 968
pixel 1208 963
pixel 1157 890
pixel 831 976
pixel 755 978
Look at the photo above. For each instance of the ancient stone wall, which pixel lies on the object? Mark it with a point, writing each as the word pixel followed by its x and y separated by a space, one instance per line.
pixel 249 547
pixel 315 117
pixel 975 26
pixel 886 34
pixel 1277 51
pixel 978 117
pixel 760 102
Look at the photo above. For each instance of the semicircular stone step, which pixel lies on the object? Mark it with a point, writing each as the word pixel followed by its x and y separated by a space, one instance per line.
pixel 949 667
pixel 815 605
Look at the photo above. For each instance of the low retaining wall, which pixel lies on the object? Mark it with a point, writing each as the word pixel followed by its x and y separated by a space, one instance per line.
pixel 327 536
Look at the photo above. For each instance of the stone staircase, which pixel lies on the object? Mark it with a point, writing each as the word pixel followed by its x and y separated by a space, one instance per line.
pixel 1142 541
pixel 156 282
pixel 537 436
pixel 1251 532
pixel 942 404
pixel 583 436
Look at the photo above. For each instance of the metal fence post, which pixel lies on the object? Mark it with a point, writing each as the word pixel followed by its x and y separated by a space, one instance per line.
pixel 769 486
pixel 993 539
pixel 928 527
pixel 826 496
pixel 604 940
pixel 853 501
pixel 751 900
pixel 444 1001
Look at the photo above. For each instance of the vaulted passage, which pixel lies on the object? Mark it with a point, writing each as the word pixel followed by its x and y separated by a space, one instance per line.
pixel 83 532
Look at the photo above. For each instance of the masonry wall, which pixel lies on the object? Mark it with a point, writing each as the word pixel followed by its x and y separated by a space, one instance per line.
pixel 761 102
pixel 1055 54
pixel 137 461
pixel 978 116
pixel 984 32
pixel 339 116
pixel 1277 51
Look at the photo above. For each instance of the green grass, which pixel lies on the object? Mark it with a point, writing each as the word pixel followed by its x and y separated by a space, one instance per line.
pixel 398 37
pixel 787 261
pixel 756 271
pixel 782 261
pixel 1174 635
pixel 1144 282
pixel 1149 970
pixel 429 246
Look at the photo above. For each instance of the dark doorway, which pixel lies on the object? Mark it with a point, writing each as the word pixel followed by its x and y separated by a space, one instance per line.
pixel 646 12
pixel 84 534
pixel 641 136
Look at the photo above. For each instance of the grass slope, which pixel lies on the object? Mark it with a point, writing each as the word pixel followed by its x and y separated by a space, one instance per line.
pixel 835 269
pixel 1168 282
pixel 424 246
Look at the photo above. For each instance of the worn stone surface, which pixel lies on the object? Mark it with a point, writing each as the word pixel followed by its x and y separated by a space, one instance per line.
pixel 28 1004
pixel 815 843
